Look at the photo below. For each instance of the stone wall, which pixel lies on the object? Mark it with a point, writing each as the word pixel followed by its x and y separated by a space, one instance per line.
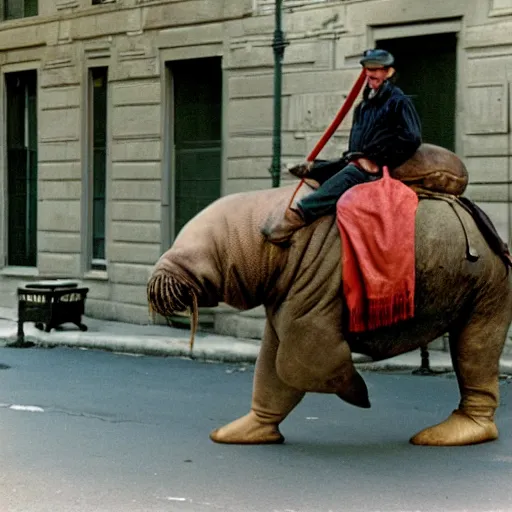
pixel 135 39
pixel 486 128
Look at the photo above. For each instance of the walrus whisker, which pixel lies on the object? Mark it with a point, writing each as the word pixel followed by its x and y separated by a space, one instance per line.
pixel 165 293
pixel 158 300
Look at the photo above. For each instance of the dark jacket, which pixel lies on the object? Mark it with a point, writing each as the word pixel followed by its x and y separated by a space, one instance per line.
pixel 385 128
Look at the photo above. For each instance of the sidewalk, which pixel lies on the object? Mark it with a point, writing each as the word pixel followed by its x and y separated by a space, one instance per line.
pixel 161 340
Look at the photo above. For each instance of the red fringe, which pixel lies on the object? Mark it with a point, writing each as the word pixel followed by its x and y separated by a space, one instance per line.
pixel 377 313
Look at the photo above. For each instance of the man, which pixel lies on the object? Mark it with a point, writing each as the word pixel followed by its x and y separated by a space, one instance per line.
pixel 385 132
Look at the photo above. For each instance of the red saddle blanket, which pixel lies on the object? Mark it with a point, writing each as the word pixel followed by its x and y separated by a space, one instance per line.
pixel 376 221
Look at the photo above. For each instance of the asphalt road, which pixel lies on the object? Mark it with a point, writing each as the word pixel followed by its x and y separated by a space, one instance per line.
pixel 91 431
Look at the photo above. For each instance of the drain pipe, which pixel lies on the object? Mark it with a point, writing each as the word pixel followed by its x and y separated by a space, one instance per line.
pixel 279 44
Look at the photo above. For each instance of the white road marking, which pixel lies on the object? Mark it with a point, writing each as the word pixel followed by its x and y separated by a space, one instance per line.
pixel 26 408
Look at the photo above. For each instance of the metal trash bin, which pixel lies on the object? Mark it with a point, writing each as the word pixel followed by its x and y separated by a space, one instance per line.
pixel 49 304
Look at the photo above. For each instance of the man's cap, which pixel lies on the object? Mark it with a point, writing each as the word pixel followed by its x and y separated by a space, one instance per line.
pixel 377 57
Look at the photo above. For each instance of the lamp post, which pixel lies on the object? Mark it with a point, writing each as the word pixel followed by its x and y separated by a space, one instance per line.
pixel 278 45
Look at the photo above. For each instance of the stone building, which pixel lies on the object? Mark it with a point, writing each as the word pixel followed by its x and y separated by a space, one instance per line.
pixel 122 118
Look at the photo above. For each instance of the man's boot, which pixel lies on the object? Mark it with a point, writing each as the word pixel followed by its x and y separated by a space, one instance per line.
pixel 301 170
pixel 285 227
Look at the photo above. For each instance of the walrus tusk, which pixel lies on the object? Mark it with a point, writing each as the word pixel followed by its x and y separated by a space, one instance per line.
pixel 165 296
pixel 195 322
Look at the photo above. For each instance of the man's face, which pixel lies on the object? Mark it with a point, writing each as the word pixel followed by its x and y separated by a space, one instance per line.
pixel 376 77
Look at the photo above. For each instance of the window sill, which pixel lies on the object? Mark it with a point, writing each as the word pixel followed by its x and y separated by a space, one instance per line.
pixel 503 11
pixel 20 271
pixel 96 275
pixel 21 21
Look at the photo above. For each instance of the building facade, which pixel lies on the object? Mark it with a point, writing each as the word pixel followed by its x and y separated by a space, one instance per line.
pixel 122 118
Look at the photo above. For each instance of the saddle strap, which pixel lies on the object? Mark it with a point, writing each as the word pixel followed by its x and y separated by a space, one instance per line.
pixel 483 222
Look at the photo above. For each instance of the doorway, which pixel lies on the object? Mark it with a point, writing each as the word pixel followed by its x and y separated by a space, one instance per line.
pixel 196 133
pixel 427 72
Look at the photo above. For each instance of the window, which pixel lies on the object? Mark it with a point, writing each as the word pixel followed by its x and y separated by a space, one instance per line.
pixel 14 9
pixel 21 91
pixel 98 156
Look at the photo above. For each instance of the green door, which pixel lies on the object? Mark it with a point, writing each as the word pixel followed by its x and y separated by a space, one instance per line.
pixel 197 93
pixel 426 71
pixel 21 89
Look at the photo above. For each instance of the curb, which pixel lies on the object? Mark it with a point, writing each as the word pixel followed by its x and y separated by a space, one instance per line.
pixel 206 349
pixel 212 347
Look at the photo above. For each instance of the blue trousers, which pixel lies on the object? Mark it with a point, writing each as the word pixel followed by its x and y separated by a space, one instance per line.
pixel 323 200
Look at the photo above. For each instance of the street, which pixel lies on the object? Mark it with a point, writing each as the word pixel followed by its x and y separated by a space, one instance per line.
pixel 92 431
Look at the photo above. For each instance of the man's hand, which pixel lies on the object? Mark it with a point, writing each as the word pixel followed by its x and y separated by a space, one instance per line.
pixel 367 165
